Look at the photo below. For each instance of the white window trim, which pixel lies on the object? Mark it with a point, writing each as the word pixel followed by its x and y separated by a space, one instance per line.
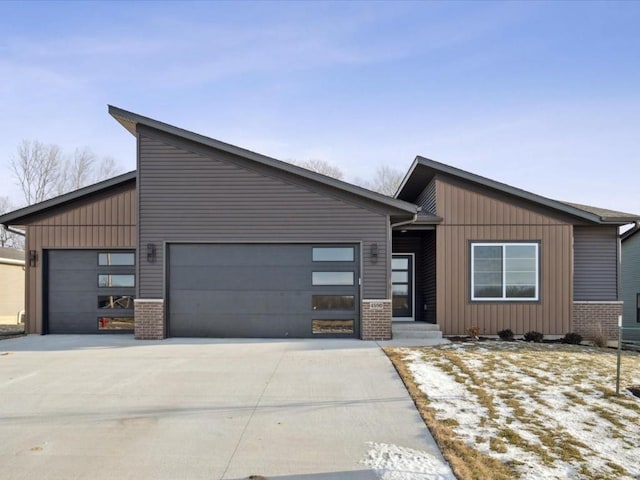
pixel 504 297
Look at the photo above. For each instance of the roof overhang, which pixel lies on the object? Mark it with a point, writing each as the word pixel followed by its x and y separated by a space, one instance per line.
pixel 130 121
pixel 423 170
pixel 17 217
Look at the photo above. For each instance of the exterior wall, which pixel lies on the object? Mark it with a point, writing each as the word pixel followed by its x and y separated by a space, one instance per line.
pixel 11 292
pixel 591 319
pixel 631 285
pixel 376 320
pixel 595 267
pixel 473 214
pixel 104 220
pixel 429 276
pixel 149 320
pixel 427 199
pixel 189 192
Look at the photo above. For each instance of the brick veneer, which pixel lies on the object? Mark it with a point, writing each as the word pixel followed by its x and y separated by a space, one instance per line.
pixel 149 319
pixel 595 318
pixel 376 320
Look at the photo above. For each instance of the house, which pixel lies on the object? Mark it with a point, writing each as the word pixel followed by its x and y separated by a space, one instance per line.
pixel 209 239
pixel 11 285
pixel 631 283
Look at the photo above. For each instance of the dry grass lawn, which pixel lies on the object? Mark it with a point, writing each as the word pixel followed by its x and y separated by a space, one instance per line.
pixel 534 411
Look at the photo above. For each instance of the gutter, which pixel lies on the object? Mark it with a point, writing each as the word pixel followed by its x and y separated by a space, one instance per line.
pixel 11 261
pixel 406 222
pixel 13 230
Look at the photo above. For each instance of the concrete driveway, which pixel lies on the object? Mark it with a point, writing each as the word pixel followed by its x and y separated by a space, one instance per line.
pixel 109 407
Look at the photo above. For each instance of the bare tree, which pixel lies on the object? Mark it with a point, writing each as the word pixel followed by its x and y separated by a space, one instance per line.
pixel 77 171
pixel 7 238
pixel 106 169
pixel 321 166
pixel 37 170
pixel 386 180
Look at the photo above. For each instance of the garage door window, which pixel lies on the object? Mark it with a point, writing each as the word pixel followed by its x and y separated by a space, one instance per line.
pixel 115 302
pixel 108 280
pixel 319 327
pixel 115 323
pixel 333 302
pixel 333 254
pixel 116 259
pixel 332 278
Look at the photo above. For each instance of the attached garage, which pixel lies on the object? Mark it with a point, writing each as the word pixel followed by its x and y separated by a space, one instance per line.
pixel 263 290
pixel 89 291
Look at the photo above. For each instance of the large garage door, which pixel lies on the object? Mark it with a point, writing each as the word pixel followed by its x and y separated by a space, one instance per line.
pixel 90 291
pixel 269 291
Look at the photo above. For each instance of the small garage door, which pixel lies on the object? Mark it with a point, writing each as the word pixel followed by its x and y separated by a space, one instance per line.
pixel 264 291
pixel 90 291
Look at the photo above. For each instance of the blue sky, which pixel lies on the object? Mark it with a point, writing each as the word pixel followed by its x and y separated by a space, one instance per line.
pixel 541 95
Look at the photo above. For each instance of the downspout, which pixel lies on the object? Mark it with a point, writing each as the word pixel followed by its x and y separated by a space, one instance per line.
pixel 406 222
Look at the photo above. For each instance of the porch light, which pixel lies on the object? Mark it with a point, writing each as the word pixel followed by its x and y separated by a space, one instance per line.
pixel 374 252
pixel 33 258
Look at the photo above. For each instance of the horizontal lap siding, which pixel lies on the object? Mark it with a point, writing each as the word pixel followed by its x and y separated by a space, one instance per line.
pixel 475 216
pixel 105 220
pixel 427 199
pixel 631 285
pixel 596 262
pixel 189 196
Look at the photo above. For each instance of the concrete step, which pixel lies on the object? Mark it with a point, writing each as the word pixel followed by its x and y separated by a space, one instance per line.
pixel 415 330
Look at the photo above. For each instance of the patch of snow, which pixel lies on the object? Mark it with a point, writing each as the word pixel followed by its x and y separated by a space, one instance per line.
pixel 393 462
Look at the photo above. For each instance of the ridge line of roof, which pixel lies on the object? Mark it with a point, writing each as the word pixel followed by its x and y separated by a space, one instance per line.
pixel 122 116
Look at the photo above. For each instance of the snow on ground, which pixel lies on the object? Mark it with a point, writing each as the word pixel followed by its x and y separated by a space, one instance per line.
pixel 547 409
pixel 392 462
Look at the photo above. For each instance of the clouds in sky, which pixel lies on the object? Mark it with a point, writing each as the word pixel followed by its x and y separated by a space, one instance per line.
pixel 540 95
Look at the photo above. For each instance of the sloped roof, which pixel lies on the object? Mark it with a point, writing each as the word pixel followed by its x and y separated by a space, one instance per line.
pixel 15 217
pixel 424 169
pixel 630 233
pixel 130 120
pixel 11 254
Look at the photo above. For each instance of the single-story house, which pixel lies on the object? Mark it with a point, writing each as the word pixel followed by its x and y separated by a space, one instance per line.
pixel 11 285
pixel 209 239
pixel 631 283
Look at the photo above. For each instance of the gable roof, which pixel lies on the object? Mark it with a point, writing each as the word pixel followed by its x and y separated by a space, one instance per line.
pixel 423 170
pixel 15 217
pixel 130 121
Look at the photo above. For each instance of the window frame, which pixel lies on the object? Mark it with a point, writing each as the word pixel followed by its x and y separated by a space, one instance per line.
pixel 116 265
pixel 503 245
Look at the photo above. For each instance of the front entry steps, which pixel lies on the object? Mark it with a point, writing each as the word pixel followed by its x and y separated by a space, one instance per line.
pixel 402 330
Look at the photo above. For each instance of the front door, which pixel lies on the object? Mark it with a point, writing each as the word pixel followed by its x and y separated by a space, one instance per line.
pixel 402 286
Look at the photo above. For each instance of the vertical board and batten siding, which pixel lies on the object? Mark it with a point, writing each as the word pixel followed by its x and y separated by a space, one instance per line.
pixel 631 285
pixel 470 214
pixel 193 193
pixel 103 220
pixel 595 276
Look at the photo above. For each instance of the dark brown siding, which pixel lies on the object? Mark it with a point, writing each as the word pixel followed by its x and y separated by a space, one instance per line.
pixel 191 193
pixel 429 276
pixel 472 215
pixel 595 263
pixel 104 220
pixel 412 243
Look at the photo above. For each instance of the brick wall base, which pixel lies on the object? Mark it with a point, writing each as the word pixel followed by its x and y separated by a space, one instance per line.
pixel 149 319
pixel 375 320
pixel 596 318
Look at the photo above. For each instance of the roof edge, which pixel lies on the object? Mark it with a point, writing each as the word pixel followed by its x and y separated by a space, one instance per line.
pixel 127 118
pixel 12 217
pixel 515 191
pixel 630 233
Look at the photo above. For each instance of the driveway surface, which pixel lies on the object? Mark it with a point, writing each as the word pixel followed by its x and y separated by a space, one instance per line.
pixel 110 407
